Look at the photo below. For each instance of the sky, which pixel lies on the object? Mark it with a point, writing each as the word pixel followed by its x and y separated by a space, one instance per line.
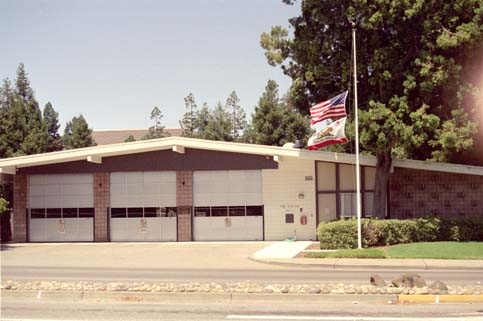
pixel 113 61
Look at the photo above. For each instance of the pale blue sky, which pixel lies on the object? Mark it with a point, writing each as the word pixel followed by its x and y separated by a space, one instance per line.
pixel 114 60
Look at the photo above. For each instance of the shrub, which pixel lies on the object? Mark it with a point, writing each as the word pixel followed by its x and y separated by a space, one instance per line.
pixel 342 234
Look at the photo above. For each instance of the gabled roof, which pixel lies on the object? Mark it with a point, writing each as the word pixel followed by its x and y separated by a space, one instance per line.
pixel 178 144
pixel 116 136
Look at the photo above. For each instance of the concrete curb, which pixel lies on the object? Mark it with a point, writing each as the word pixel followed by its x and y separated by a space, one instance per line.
pixel 442 298
pixel 126 296
pixel 186 297
pixel 341 264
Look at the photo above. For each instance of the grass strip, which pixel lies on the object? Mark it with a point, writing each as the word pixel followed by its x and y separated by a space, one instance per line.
pixel 437 250
pixel 356 253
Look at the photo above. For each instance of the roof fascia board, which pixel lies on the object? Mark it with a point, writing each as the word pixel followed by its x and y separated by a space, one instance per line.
pixel 439 167
pixel 8 170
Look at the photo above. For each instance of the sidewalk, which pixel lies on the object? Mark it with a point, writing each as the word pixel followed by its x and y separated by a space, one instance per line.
pixel 283 253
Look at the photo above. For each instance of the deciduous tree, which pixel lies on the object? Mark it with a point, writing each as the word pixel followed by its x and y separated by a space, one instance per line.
pixel 411 57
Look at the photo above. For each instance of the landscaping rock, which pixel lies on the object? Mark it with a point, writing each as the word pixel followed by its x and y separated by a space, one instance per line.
pixel 377 280
pixel 315 291
pixel 438 285
pixel 409 280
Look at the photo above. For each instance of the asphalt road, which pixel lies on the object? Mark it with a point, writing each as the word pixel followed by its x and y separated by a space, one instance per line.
pixel 274 275
pixel 14 309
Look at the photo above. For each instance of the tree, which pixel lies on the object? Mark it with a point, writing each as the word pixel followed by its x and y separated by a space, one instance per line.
pixel 238 121
pixel 411 57
pixel 51 119
pixel 130 138
pixel 156 131
pixel 77 134
pixel 201 121
pixel 22 129
pixel 188 123
pixel 275 121
pixel 219 126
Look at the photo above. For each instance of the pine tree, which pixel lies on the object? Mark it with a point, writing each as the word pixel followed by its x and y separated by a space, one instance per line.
pixel 275 121
pixel 219 126
pixel 189 118
pixel 156 131
pixel 201 121
pixel 77 134
pixel 51 119
pixel 238 115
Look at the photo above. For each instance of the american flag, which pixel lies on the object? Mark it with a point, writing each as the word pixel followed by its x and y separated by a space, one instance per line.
pixel 333 108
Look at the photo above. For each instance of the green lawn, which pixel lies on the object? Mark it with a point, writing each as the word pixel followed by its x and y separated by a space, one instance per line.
pixel 437 250
pixel 360 254
pixel 424 250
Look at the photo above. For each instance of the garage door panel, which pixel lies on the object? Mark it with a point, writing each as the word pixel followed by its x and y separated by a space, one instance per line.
pixel 61 191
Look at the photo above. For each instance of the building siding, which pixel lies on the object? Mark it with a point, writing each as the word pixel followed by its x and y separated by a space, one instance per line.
pixel 281 189
pixel 416 193
pixel 163 160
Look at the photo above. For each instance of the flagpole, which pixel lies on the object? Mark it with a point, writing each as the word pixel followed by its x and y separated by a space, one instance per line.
pixel 356 121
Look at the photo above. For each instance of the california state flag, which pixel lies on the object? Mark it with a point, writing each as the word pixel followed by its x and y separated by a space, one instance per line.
pixel 328 134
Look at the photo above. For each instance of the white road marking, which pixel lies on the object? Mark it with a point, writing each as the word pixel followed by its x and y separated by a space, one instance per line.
pixel 345 318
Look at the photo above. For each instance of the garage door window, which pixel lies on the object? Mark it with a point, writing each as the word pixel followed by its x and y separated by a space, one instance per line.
pixel 219 211
pixel 140 212
pixel 202 211
pixel 254 210
pixel 54 213
pixel 37 213
pixel 237 211
pixel 85 212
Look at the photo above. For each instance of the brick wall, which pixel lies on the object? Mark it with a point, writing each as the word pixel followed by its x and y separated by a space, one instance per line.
pixel 416 193
pixel 101 205
pixel 20 199
pixel 184 202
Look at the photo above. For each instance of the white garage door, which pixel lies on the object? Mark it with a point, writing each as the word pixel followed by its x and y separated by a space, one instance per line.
pixel 61 208
pixel 143 206
pixel 228 205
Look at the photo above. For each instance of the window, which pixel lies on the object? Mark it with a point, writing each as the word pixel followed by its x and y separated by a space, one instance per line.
pixel 118 212
pixel 69 212
pixel 254 210
pixel 368 204
pixel 151 211
pixel 219 211
pixel 171 211
pixel 236 210
pixel 54 213
pixel 202 211
pixel 86 212
pixel 37 213
pixel 347 204
pixel 134 212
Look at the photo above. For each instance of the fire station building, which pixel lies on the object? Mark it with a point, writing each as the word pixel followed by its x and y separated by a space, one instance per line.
pixel 183 189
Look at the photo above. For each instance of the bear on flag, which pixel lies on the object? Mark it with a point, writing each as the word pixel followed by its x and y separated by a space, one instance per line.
pixel 328 120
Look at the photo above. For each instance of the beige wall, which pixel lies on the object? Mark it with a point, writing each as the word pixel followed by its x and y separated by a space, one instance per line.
pixel 281 189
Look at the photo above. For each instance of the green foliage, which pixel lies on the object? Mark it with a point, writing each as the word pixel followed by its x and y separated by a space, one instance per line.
pixel 51 119
pixel 415 99
pixel 77 134
pixel 342 234
pixel 22 129
pixel 219 126
pixel 156 131
pixel 3 205
pixel 238 117
pixel 130 138
pixel 275 121
pixel 188 123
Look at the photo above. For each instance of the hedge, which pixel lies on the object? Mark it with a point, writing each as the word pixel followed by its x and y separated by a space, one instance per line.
pixel 342 234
